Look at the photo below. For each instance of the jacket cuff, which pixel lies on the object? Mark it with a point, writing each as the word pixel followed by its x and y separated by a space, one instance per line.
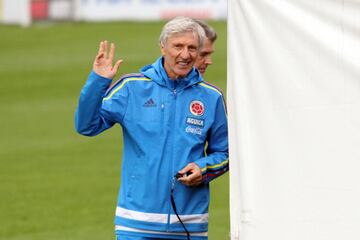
pixel 94 75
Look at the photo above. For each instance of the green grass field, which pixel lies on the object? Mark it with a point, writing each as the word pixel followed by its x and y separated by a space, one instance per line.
pixel 54 183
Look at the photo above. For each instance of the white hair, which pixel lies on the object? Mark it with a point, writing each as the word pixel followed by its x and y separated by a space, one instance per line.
pixel 182 25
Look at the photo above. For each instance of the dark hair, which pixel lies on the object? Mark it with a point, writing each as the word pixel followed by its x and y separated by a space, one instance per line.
pixel 209 31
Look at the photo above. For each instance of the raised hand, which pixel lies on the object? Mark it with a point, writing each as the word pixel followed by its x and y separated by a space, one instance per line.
pixel 103 64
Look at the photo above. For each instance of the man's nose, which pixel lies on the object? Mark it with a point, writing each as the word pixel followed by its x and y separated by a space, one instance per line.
pixel 185 53
pixel 208 61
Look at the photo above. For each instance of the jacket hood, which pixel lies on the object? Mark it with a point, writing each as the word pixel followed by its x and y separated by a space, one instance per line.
pixel 158 74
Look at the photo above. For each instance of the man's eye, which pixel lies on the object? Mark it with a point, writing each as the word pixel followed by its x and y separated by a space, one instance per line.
pixel 193 49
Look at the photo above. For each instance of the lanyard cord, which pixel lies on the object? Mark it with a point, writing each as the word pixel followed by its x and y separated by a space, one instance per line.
pixel 174 208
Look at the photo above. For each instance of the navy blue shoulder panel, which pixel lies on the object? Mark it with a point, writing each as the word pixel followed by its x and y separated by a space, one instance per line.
pixel 121 79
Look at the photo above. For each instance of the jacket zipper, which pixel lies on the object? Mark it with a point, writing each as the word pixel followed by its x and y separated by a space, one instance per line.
pixel 162 117
pixel 173 118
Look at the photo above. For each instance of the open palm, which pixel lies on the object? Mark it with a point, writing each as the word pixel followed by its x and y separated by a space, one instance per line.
pixel 103 64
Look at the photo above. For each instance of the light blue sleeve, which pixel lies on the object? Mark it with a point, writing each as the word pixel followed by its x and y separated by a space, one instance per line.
pixel 94 114
pixel 216 162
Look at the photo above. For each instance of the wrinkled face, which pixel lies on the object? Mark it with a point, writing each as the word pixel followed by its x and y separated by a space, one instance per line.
pixel 180 52
pixel 204 58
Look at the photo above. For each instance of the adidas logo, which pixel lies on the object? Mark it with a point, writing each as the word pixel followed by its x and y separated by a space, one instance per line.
pixel 149 103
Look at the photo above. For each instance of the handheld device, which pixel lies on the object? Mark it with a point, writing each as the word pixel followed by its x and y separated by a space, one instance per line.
pixel 179 175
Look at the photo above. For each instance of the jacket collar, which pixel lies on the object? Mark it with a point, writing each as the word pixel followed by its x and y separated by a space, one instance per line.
pixel 157 73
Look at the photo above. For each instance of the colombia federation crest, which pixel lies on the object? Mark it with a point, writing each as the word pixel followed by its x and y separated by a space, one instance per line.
pixel 197 108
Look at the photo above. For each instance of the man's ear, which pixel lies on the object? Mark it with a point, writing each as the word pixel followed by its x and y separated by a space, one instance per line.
pixel 162 49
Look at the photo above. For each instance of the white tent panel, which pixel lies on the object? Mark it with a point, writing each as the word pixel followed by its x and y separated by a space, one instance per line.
pixel 294 107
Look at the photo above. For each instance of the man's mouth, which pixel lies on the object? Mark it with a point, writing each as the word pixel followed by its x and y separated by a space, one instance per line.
pixel 183 63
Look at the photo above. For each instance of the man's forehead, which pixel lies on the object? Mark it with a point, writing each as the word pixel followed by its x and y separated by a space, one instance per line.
pixel 190 36
pixel 208 47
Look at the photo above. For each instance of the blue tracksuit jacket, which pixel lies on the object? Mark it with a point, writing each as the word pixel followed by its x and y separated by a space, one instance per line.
pixel 166 125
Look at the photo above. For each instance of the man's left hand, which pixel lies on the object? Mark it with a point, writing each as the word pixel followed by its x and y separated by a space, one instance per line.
pixel 195 176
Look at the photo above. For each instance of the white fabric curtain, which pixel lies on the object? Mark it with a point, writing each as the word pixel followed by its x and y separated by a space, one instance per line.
pixel 294 118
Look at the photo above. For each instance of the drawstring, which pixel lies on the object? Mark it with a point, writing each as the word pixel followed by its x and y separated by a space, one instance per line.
pixel 174 207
